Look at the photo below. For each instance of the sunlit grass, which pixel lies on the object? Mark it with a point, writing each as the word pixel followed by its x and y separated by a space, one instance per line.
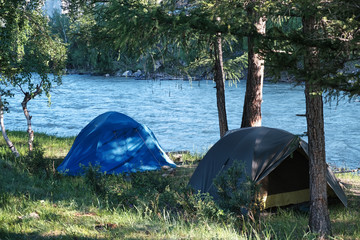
pixel 55 147
pixel 346 222
pixel 84 222
pixel 52 206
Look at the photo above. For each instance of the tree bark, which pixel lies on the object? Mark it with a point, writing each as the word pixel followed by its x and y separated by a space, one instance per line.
pixel 254 84
pixel 30 132
pixel 3 131
pixel 319 220
pixel 219 79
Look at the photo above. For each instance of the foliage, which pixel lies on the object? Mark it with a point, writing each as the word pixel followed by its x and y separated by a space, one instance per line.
pixel 169 37
pixel 202 207
pixel 316 52
pixel 34 162
pixel 4 95
pixel 32 60
pixel 336 38
pixel 238 194
pixel 68 208
pixel 149 191
pixel 28 47
pixel 95 179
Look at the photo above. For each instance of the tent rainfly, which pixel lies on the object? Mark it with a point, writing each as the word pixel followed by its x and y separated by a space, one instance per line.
pixel 273 158
pixel 118 144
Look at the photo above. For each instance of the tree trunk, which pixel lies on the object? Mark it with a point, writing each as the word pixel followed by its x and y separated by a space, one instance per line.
pixel 254 84
pixel 219 79
pixel 6 138
pixel 26 99
pixel 319 220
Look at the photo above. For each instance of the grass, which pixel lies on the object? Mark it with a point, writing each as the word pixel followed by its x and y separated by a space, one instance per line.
pixel 38 203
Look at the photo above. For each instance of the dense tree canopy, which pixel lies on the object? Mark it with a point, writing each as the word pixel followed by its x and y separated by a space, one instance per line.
pixel 26 43
pixel 172 35
pixel 336 36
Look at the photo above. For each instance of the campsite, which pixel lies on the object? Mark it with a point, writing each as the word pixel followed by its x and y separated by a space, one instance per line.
pixel 47 205
pixel 179 119
pixel 54 203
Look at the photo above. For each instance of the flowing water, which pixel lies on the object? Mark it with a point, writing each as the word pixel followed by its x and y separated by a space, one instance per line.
pixel 183 114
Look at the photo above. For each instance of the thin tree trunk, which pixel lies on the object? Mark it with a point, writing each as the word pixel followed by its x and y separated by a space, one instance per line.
pixel 3 131
pixel 254 84
pixel 30 132
pixel 319 220
pixel 219 79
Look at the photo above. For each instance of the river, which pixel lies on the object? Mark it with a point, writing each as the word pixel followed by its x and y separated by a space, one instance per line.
pixel 183 114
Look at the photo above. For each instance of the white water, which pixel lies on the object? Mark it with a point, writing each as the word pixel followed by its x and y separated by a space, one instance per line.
pixel 183 115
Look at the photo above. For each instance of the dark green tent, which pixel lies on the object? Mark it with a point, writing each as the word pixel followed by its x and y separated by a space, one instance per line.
pixel 274 158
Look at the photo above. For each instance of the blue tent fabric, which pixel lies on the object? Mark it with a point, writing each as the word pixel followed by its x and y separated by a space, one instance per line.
pixel 118 144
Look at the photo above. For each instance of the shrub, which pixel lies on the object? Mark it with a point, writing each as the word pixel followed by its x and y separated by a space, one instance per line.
pixel 238 194
pixel 147 189
pixel 95 179
pixel 204 208
pixel 35 163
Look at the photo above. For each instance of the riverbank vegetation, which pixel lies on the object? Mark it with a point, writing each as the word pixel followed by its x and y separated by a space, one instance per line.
pixel 38 203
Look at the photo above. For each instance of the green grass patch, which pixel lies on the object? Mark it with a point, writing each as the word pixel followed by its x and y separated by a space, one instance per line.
pixel 55 147
pixel 38 203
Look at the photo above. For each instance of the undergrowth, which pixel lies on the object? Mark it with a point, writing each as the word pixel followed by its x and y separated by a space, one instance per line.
pixel 36 202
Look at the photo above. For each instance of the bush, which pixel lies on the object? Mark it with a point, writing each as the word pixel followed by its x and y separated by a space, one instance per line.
pixel 202 207
pixel 35 162
pixel 95 179
pixel 149 190
pixel 238 193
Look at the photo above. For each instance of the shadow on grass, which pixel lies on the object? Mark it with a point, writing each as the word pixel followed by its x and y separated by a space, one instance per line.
pixel 78 191
pixel 18 236
pixel 42 185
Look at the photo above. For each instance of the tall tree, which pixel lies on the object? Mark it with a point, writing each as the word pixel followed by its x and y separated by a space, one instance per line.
pixel 219 80
pixel 251 116
pixel 8 50
pixel 29 53
pixel 316 42
pixel 319 214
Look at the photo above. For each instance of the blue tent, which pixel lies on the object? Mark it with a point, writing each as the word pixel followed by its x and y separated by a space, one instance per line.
pixel 117 143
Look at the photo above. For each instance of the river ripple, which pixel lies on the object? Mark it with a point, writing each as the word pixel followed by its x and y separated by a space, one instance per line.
pixel 183 115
